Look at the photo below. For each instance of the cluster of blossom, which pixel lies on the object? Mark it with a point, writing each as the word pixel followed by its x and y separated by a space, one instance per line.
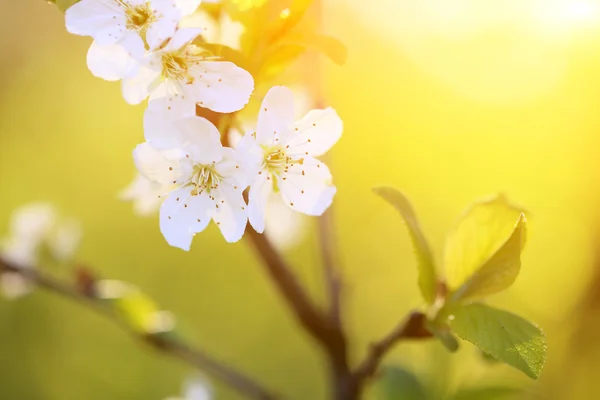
pixel 37 231
pixel 147 45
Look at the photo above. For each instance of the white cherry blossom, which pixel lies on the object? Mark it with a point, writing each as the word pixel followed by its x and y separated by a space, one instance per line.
pixel 124 29
pixel 34 228
pixel 284 227
pixel 186 75
pixel 207 178
pixel 284 151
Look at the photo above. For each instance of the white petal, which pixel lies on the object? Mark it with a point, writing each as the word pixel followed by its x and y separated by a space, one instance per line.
pixel 257 201
pixel 182 215
pixel 32 222
pixel 308 188
pixel 276 115
pixel 284 227
pixel 13 285
pixel 111 62
pixel 187 7
pixel 20 250
pixel 157 165
pixel 232 213
pixel 198 389
pixel 101 19
pixel 138 87
pixel 316 133
pixel 199 137
pixel 65 239
pixel 221 86
pixel 234 165
pixel 181 37
pixel 164 27
pixel 145 195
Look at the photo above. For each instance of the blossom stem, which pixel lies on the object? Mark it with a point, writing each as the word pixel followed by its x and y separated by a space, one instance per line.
pixel 412 327
pixel 171 346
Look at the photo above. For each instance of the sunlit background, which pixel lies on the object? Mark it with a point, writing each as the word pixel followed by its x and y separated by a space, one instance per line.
pixel 448 100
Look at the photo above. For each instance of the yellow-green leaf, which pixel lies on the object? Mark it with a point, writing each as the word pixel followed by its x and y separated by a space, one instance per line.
pixel 425 263
pixel 63 4
pixel 505 336
pixel 500 270
pixel 398 383
pixel 335 50
pixel 138 310
pixel 480 232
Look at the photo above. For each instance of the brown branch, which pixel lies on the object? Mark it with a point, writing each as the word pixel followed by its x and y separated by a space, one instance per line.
pixel 330 259
pixel 171 346
pixel 413 327
pixel 328 334
pixel 307 313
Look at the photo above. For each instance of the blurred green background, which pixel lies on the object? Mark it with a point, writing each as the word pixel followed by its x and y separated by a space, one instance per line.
pixel 449 101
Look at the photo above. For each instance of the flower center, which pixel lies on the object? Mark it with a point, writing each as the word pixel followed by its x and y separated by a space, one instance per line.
pixel 204 179
pixel 175 65
pixel 139 17
pixel 277 161
pixel 178 64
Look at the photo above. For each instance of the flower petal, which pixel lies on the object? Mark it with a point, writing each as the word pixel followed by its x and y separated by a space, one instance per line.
pixel 232 213
pixel 257 202
pixel 284 227
pixel 221 86
pixel 158 166
pixel 276 115
pixel 187 7
pixel 138 87
pixel 100 19
pixel 13 285
pixel 164 27
pixel 182 215
pixel 307 188
pixel 145 195
pixel 199 137
pixel 111 62
pixel 181 37
pixel 315 134
pixel 234 165
pixel 196 136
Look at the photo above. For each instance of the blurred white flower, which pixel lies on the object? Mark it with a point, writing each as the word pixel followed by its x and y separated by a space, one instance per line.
pixel 145 195
pixel 34 228
pixel 224 30
pixel 195 389
pixel 208 179
pixel 124 29
pixel 284 227
pixel 284 151
pixel 185 75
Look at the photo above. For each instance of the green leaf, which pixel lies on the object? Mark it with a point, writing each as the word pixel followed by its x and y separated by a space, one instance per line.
pixel 500 270
pixel 398 383
pixel 335 50
pixel 488 393
pixel 63 4
pixel 425 263
pixel 480 233
pixel 503 335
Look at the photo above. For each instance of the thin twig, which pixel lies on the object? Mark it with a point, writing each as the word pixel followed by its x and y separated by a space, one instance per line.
pixel 331 264
pixel 413 327
pixel 171 346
